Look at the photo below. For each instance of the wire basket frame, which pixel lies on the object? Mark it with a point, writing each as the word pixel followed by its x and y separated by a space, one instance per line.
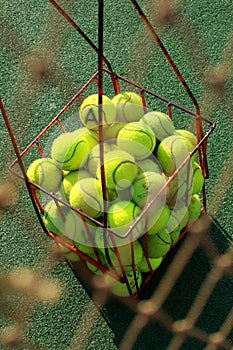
pixel 116 80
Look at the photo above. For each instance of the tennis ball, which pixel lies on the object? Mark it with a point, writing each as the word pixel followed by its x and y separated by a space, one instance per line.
pixel 137 139
pixel 93 159
pixel 120 288
pixel 67 253
pixel 70 150
pixel 96 269
pixel 197 179
pixel 158 244
pixel 124 257
pixel 90 136
pixel 187 183
pixel 129 107
pixel 160 123
pixel 45 173
pixel 149 164
pixel 120 170
pixel 158 220
pixel 101 242
pixel 146 186
pixel 71 178
pixel 147 263
pixel 177 221
pixel 86 249
pixel 121 215
pixel 171 153
pixel 194 208
pixel 84 195
pixel 55 217
pixel 89 111
pixel 176 190
pixel 112 194
pixel 180 187
pixel 111 132
pixel 188 135
pixel 81 230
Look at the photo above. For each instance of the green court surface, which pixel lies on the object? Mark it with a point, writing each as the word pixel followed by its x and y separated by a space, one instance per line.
pixel 199 40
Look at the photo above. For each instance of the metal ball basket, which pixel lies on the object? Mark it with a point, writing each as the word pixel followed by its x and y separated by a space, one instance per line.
pixel 203 128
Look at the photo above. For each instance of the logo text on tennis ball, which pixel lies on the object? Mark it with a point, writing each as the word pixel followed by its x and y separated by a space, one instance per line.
pixel 90 112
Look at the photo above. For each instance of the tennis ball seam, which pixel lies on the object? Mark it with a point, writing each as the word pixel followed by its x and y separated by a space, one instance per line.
pixel 163 240
pixel 145 133
pixel 124 107
pixel 90 195
pixel 72 154
pixel 161 124
pixel 117 168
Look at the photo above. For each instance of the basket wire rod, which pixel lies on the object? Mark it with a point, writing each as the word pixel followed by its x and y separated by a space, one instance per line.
pixel 165 52
pixel 56 118
pixel 201 150
pixel 21 164
pixel 100 115
pixel 88 40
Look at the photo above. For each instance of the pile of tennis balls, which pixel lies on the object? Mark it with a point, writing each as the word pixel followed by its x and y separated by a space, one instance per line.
pixel 141 151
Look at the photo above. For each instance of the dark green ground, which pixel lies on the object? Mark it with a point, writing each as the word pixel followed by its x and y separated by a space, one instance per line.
pixel 22 240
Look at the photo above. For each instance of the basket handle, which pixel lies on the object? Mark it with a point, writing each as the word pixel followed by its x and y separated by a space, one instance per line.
pixel 199 129
pixel 202 149
pixel 88 40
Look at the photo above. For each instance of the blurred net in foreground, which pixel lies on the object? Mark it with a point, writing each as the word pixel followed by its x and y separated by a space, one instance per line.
pixel 153 309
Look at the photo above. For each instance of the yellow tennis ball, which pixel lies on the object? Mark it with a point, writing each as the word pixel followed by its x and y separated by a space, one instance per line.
pixel 90 136
pixel 121 216
pixel 70 179
pixel 86 249
pixel 157 221
pixel 93 159
pixel 84 195
pixel 96 268
pixel 158 244
pixel 125 258
pixel 176 190
pixel 189 181
pixel 160 123
pixel 45 173
pixel 194 208
pixel 177 221
pixel 188 135
pixel 70 150
pixel 172 151
pixel 112 194
pixel 67 253
pixel 120 170
pixel 129 106
pixel 89 111
pixel 149 164
pixel 137 139
pixel 197 179
pixel 111 132
pixel 120 288
pixel 55 217
pixel 147 264
pixel 81 230
pixel 146 186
